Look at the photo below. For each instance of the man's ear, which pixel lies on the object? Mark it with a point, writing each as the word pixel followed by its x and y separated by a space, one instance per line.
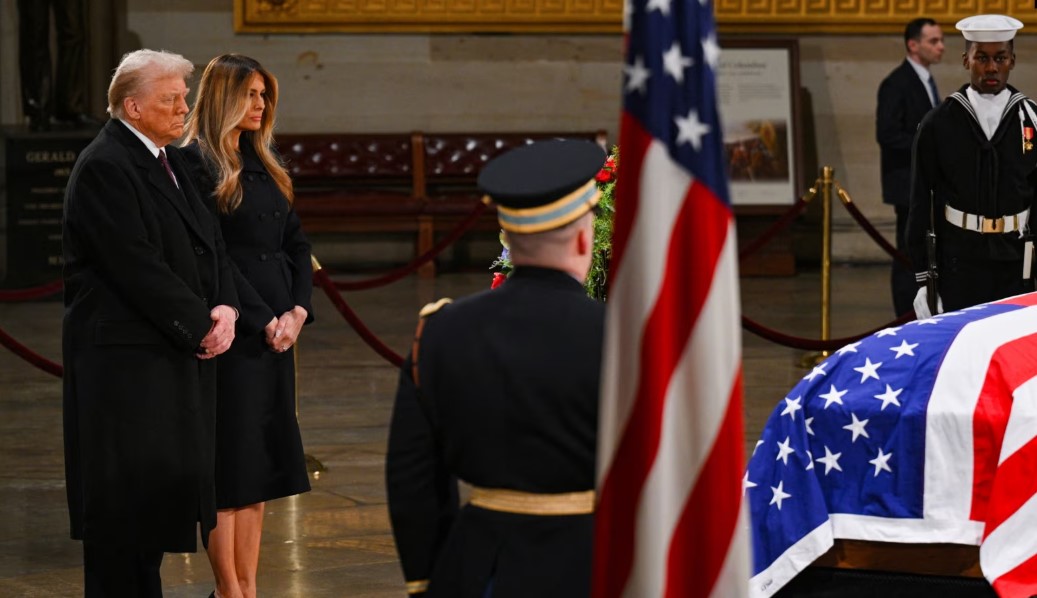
pixel 585 240
pixel 130 108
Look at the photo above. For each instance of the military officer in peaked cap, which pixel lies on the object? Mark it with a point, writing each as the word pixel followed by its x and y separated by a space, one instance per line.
pixel 500 391
pixel 973 179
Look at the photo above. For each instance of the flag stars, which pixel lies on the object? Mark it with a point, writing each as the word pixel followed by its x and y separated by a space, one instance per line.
pixel 810 461
pixel 888 332
pixel 850 348
pixel 758 443
pixel 791 407
pixel 881 462
pixel 663 6
pixel 784 450
pixel 637 76
pixel 904 349
pixel 857 428
pixel 930 321
pixel 833 396
pixel 747 483
pixel 868 370
pixel 711 50
pixel 691 130
pixel 779 494
pixel 819 370
pixel 809 421
pixel 890 396
pixel 830 461
pixel 674 62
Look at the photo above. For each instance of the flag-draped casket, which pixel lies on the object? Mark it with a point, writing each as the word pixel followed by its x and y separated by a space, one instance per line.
pixel 923 433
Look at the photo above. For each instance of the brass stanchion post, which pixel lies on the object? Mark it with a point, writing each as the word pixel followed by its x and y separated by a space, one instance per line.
pixel 827 181
pixel 313 464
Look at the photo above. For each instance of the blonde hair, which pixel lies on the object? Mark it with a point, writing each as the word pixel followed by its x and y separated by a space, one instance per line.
pixel 137 70
pixel 222 102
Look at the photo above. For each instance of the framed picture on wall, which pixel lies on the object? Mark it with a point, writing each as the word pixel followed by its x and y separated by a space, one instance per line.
pixel 758 92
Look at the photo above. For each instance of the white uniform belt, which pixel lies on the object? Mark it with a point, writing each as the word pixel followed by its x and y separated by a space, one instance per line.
pixel 982 224
pixel 529 503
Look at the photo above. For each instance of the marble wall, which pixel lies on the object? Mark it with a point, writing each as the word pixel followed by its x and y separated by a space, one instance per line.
pixel 398 82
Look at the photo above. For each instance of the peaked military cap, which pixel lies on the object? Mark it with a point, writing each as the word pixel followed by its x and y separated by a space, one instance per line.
pixel 543 185
pixel 988 28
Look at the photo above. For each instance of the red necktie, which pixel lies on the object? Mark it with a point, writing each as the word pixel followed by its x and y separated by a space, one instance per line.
pixel 165 164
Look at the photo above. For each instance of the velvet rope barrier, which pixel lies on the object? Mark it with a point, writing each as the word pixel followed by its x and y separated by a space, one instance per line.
pixel 779 225
pixel 35 359
pixel 419 261
pixel 870 229
pixel 808 344
pixel 321 278
pixel 44 290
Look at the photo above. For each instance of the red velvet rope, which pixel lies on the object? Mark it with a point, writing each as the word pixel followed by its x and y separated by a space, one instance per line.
pixel 52 368
pixel 321 278
pixel 808 344
pixel 419 261
pixel 874 234
pixel 778 226
pixel 44 290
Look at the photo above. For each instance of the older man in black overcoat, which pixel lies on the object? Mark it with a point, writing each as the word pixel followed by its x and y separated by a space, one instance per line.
pixel 149 300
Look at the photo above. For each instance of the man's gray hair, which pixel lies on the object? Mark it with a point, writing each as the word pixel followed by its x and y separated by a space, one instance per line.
pixel 140 68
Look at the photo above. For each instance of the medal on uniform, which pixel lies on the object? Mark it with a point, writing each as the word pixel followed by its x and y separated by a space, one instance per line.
pixel 1027 139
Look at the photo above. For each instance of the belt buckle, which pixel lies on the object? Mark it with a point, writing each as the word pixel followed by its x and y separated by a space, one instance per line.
pixel 992 225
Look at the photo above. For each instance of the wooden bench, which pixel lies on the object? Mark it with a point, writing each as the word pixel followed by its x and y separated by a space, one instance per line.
pixel 417 183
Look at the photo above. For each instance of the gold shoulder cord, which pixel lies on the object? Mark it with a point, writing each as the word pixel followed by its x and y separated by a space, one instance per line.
pixel 423 315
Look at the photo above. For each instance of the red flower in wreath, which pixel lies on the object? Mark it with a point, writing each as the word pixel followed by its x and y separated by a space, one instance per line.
pixel 498 279
pixel 608 172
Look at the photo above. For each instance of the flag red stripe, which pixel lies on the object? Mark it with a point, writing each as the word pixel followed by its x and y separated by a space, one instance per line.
pixel 1009 367
pixel 635 145
pixel 1018 583
pixel 699 233
pixel 1016 483
pixel 707 525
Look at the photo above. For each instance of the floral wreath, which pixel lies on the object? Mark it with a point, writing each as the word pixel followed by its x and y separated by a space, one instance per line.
pixel 597 278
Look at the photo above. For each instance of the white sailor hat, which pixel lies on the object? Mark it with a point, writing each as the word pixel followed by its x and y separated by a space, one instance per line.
pixel 989 28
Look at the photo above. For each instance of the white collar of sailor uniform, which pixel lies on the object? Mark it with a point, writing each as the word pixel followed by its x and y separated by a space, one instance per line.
pixel 988 109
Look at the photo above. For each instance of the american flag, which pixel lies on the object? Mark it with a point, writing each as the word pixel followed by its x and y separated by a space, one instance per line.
pixel 670 454
pixel 920 433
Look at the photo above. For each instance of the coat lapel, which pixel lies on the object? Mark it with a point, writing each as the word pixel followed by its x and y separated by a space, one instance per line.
pixel 156 176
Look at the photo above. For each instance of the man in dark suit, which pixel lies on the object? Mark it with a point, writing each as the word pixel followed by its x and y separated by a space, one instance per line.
pixel 905 96
pixel 149 300
pixel 48 89
pixel 501 391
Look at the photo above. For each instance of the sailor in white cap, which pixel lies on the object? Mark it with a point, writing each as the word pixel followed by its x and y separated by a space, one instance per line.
pixel 973 181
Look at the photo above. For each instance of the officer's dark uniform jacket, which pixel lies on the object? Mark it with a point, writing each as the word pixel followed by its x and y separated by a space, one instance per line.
pixel 508 399
pixel 956 165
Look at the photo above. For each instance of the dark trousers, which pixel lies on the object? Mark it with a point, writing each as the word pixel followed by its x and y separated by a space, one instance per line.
pixel 121 572
pixel 902 279
pixel 965 282
pixel 45 89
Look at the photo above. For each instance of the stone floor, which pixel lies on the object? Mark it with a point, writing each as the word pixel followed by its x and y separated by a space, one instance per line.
pixel 335 541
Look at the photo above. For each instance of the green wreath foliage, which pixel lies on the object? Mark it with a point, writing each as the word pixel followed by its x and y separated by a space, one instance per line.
pixel 597 278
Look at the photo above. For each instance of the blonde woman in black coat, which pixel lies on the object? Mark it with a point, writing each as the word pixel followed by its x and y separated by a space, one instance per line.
pixel 259 455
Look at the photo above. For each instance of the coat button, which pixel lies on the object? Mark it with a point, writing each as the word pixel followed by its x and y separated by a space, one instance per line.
pixel 263 257
pixel 277 214
pixel 199 250
pixel 250 177
pixel 278 255
pixel 262 216
pixel 262 177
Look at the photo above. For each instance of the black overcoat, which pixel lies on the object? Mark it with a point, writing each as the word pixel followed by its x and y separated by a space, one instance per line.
pixel 259 453
pixel 144 265
pixel 508 399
